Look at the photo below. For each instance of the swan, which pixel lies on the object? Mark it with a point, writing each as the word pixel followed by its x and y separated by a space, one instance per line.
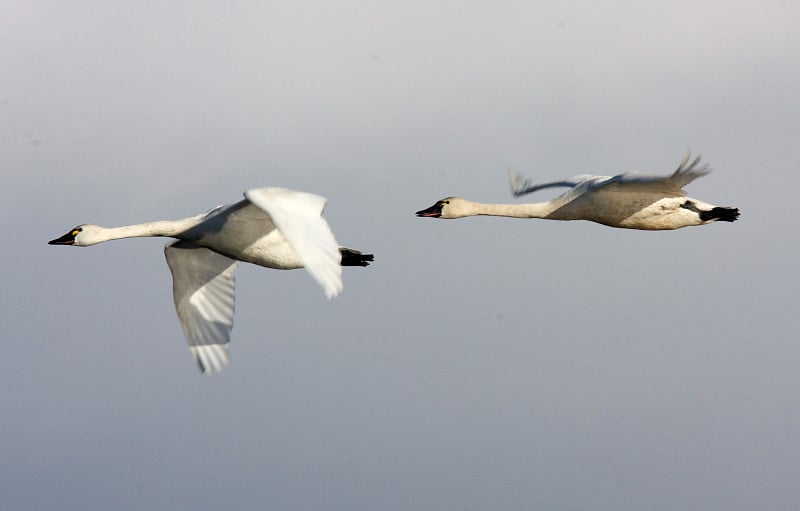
pixel 630 201
pixel 272 227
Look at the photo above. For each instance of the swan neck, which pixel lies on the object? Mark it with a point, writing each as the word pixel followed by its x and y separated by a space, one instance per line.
pixel 169 228
pixel 535 210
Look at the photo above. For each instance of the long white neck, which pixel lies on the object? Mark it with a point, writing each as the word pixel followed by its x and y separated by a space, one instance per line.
pixel 534 210
pixel 169 228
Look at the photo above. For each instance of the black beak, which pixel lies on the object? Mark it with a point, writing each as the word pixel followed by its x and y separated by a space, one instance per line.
pixel 434 211
pixel 67 239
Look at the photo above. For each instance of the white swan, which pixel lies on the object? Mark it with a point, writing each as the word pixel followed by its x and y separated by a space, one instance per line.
pixel 272 227
pixel 630 201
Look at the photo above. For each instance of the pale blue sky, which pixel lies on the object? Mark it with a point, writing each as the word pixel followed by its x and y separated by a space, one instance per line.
pixel 484 363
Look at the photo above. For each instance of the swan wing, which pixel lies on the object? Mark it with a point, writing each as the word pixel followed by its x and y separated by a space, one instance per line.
pixel 521 185
pixel 668 186
pixel 203 287
pixel 671 185
pixel 298 216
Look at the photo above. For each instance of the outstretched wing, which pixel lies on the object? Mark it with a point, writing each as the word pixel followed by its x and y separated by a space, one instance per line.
pixel 203 288
pixel 668 186
pixel 298 216
pixel 671 185
pixel 521 185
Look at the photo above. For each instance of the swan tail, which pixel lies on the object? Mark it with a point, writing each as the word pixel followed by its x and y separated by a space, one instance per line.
pixel 352 257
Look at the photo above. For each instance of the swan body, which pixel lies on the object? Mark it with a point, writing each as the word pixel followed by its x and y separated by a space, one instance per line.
pixel 271 227
pixel 630 201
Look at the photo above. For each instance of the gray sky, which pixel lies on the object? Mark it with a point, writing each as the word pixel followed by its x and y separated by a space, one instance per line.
pixel 484 363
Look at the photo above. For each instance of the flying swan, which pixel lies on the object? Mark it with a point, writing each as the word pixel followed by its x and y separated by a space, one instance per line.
pixel 630 201
pixel 271 227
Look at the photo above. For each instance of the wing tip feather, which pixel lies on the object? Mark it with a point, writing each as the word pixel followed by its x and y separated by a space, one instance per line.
pixel 211 358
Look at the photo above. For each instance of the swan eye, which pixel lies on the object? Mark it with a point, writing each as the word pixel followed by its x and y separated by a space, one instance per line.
pixel 442 203
pixel 75 231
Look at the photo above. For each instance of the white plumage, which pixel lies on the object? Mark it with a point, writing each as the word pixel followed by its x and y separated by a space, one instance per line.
pixel 632 201
pixel 272 227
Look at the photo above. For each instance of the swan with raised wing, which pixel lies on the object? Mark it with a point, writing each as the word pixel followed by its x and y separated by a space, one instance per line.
pixel 630 201
pixel 272 227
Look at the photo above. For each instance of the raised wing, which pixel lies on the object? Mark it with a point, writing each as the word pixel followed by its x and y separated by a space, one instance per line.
pixel 298 216
pixel 671 185
pixel 203 288
pixel 521 186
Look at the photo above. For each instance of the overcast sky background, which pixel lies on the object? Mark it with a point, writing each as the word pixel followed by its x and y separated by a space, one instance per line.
pixel 484 363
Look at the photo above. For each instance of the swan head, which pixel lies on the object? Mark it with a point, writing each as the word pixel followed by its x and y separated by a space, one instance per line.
pixel 83 235
pixel 450 207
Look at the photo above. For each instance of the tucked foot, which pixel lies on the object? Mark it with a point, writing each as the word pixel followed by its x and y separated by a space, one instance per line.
pixel 713 214
pixel 352 257
pixel 720 213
